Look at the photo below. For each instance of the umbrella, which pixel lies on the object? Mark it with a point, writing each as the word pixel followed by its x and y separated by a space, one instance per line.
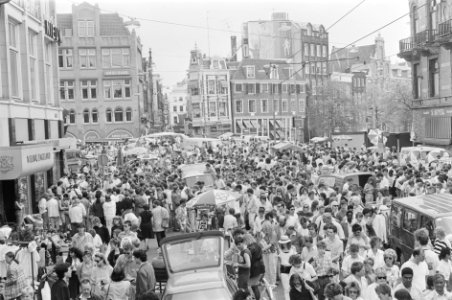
pixel 213 197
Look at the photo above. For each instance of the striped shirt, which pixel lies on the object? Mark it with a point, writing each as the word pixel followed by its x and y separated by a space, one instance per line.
pixel 439 245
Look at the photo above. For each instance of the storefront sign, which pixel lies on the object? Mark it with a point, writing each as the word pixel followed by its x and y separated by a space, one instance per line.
pixel 119 134
pixel 52 31
pixel 91 136
pixel 58 144
pixel 21 161
pixel 117 73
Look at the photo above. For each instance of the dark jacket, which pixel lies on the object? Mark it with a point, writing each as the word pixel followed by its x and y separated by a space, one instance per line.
pixel 59 290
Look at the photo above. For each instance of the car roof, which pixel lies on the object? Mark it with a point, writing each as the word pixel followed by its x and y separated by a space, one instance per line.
pixel 193 235
pixel 434 205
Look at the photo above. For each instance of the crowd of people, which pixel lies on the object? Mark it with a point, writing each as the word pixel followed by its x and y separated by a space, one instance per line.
pixel 315 241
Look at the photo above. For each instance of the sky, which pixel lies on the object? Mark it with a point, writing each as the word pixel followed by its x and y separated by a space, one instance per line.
pixel 171 28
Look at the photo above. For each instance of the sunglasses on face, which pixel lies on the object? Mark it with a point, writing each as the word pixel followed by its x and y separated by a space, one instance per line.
pixel 381 277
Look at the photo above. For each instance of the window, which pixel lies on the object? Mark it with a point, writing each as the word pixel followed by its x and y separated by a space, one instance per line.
pixel 116 89
pixel 275 88
pixel 238 87
pixel 86 116
pixel 72 116
pixel 222 109
pixel 285 105
pixel 85 28
pixel 128 114
pixel 251 88
pixel 264 88
pixel 33 52
pixel 14 58
pixel 410 221
pixel 433 71
pixel 324 51
pixel 174 108
pixel 87 58
pixel 181 108
pixel 238 106
pixel 181 99
pixel 89 89
pixel 250 72
pixel 319 50
pixel 196 107
pixel 212 109
pixel 49 73
pixel 274 72
pixel 264 105
pixel 251 106
pixel 211 85
pixel 67 90
pixel 119 117
pixel 284 88
pixel 115 57
pixel 65 58
pixel 312 50
pixel 94 115
pixel 275 105
pixel 108 115
pixel 175 120
pixel 416 81
pixel 306 49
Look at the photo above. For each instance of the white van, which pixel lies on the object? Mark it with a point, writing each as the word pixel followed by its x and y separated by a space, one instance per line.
pixel 421 154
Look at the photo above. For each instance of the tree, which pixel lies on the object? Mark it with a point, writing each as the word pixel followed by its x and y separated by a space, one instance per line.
pixel 395 106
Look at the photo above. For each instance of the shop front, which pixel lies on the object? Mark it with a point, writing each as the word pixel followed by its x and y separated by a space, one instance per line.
pixel 24 176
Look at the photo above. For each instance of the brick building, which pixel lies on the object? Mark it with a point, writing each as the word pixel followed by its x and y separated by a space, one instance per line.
pixel 267 99
pixel 428 52
pixel 101 75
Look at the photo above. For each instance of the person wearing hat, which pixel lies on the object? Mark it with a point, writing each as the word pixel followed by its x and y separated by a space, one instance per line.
pixel 286 251
pixel 60 290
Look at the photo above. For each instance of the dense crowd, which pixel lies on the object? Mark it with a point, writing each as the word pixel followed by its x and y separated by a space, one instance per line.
pixel 316 241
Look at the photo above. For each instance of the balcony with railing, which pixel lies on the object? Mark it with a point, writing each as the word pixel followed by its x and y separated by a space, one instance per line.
pixel 444 34
pixel 432 102
pixel 411 48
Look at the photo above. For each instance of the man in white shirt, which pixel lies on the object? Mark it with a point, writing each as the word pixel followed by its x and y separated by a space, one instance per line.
pixel 53 210
pixel 419 267
pixel 77 212
pixel 407 284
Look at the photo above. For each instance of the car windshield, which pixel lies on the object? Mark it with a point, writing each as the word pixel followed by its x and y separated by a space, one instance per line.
pixel 445 223
pixel 210 294
pixel 190 254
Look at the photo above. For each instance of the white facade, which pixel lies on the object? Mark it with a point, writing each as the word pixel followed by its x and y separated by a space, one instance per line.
pixel 177 103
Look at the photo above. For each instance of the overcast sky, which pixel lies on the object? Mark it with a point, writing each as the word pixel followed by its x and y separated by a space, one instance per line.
pixel 171 43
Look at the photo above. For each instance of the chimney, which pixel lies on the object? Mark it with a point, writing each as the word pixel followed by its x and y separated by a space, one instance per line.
pixel 233 48
pixel 245 48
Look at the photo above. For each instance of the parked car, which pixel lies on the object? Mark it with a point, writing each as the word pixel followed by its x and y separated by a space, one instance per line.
pixel 195 266
pixel 409 214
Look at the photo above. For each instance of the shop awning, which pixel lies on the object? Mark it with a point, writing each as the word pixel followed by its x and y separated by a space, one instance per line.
pixel 255 123
pixel 21 161
pixel 247 124
pixel 280 123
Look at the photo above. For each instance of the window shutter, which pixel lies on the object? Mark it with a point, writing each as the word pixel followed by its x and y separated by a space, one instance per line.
pixel 258 88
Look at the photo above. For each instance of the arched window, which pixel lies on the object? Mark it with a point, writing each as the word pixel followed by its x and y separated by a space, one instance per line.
pixel 72 116
pixel 108 115
pixel 86 115
pixel 94 115
pixel 119 117
pixel 129 114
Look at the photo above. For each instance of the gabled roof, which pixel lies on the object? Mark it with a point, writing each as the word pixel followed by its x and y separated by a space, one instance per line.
pixel 261 67
pixel 343 59
pixel 112 24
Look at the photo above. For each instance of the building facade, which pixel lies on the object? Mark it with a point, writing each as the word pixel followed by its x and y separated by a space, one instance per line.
pixel 209 98
pixel 177 106
pixel 101 75
pixel 268 100
pixel 31 155
pixel 304 45
pixel 428 52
